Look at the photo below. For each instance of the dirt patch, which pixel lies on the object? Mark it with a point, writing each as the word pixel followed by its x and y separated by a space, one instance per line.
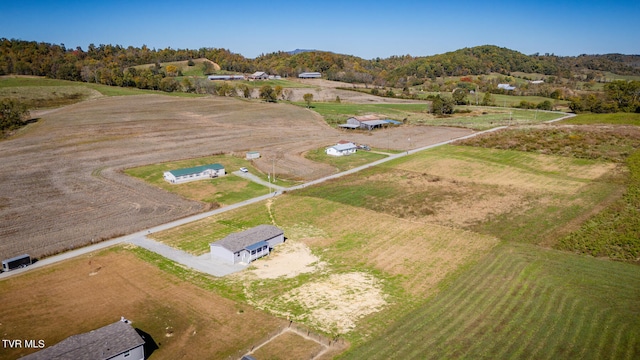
pixel 92 291
pixel 334 305
pixel 287 260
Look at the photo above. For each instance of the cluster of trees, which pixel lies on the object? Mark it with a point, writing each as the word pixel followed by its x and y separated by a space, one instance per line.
pixel 108 63
pixel 119 66
pixel 617 96
pixel 12 114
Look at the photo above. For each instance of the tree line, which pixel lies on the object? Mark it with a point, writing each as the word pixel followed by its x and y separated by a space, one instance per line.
pixel 118 66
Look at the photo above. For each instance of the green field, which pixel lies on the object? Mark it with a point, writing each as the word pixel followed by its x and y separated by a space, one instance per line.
pixel 614 119
pixel 225 190
pixel 478 118
pixel 521 302
pixel 343 163
pixel 39 93
pixel 426 226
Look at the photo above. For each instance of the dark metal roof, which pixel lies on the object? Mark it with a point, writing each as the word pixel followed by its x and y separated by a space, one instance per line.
pixel 103 343
pixel 241 240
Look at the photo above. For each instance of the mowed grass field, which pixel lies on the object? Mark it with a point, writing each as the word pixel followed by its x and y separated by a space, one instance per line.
pixel 451 236
pixel 521 302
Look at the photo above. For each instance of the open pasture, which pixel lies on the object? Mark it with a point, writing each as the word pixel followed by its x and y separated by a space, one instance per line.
pixel 611 228
pixel 521 302
pixel 417 113
pixel 509 194
pixel 79 295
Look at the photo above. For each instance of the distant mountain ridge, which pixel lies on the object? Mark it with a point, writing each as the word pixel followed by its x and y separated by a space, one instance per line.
pixel 298 51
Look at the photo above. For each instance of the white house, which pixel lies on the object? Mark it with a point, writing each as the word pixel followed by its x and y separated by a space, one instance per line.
pixel 195 173
pixel 247 245
pixel 118 341
pixel 341 149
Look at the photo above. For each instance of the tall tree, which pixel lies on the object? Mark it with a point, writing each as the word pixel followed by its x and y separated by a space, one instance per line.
pixel 308 98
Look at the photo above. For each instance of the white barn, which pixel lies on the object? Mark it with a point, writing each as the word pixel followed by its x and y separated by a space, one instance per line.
pixel 342 149
pixel 195 173
pixel 248 245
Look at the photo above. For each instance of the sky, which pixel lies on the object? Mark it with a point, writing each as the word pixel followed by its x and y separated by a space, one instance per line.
pixel 367 29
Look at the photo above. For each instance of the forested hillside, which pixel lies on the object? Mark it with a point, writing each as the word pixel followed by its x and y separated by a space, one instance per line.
pixel 109 63
pixel 477 69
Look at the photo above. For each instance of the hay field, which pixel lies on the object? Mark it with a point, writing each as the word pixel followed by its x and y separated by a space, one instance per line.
pixel 184 320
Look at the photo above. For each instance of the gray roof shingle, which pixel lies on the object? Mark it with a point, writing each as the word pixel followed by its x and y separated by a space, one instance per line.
pixel 102 343
pixel 238 241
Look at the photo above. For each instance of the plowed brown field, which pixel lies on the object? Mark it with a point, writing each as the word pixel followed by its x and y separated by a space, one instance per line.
pixel 62 187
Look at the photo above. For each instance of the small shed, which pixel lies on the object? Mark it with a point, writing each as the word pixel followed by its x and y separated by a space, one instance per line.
pixel 341 149
pixel 252 155
pixel 115 341
pixel 247 245
pixel 194 173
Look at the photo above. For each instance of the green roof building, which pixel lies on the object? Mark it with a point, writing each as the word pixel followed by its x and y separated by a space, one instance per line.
pixel 194 173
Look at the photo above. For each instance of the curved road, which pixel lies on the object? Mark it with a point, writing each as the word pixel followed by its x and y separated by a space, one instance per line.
pixel 204 263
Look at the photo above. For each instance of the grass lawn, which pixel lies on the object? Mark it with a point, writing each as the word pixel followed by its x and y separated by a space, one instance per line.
pixel 343 163
pixel 614 119
pixel 521 302
pixel 225 190
pixel 40 92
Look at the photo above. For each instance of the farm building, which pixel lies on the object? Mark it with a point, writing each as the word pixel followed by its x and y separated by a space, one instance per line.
pixel 247 245
pixel 310 75
pixel 506 87
pixel 195 173
pixel 226 77
pixel 341 149
pixel 368 122
pixel 116 341
pixel 259 75
pixel 252 155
